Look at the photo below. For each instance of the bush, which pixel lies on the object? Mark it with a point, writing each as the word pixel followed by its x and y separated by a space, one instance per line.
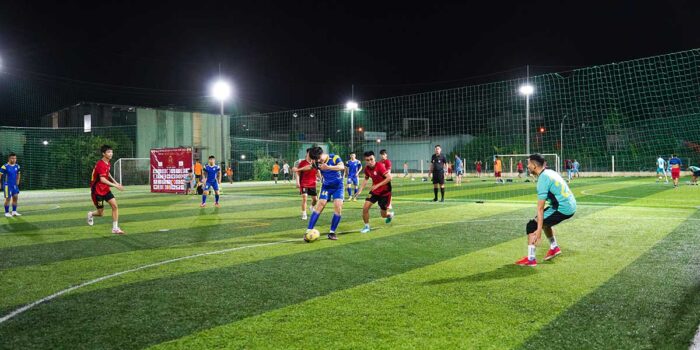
pixel 262 168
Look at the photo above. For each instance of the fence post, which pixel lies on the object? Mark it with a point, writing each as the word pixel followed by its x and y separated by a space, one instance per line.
pixel 613 165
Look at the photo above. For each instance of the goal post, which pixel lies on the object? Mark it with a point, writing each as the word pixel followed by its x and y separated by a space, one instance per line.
pixel 509 162
pixel 132 171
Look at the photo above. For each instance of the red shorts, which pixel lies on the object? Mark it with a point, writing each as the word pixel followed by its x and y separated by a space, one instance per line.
pixel 675 173
pixel 498 174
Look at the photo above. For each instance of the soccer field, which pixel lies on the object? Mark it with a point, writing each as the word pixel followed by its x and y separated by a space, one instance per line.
pixel 441 275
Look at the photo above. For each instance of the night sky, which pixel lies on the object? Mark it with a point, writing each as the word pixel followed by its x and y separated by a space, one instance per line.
pixel 296 54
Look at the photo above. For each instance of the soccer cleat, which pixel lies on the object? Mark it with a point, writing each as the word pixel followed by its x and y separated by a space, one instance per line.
pixel 203 205
pixel 552 253
pixel 304 217
pixel 90 220
pixel 8 215
pixel 14 213
pixel 217 205
pixel 435 199
pixel 365 229
pixel 442 200
pixel 332 237
pixel 526 262
pixel 118 231
pixel 388 218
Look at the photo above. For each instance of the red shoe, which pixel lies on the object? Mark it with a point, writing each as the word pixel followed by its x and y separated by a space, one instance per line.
pixel 552 253
pixel 526 262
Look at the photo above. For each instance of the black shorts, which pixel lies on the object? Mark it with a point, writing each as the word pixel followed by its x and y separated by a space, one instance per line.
pixel 275 176
pixel 439 179
pixel 696 173
pixel 188 185
pixel 311 191
pixel 553 219
pixel 383 200
pixel 286 176
pixel 198 178
pixel 99 201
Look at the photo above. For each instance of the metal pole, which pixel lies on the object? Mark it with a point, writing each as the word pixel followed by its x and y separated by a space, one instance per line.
pixel 352 130
pixel 561 142
pixel 527 124
pixel 223 143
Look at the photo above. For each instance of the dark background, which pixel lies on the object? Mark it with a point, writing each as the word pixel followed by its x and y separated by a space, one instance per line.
pixel 295 54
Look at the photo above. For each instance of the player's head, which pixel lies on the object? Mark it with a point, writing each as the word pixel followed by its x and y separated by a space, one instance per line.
pixel 438 149
pixel 106 151
pixel 12 158
pixel 315 153
pixel 196 160
pixel 536 163
pixel 673 155
pixel 383 154
pixel 369 159
pixel 352 156
pixel 212 160
pixel 277 162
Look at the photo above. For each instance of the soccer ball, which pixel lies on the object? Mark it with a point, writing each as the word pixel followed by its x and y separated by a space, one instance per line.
pixel 312 236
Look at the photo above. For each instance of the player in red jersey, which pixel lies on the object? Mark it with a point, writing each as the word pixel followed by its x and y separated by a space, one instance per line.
pixel 100 184
pixel 387 164
pixel 306 183
pixel 381 189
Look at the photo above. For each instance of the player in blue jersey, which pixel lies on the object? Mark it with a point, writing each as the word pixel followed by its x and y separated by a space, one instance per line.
pixel 212 179
pixel 352 170
pixel 661 169
pixel 332 168
pixel 459 170
pixel 675 164
pixel 9 183
pixel 562 205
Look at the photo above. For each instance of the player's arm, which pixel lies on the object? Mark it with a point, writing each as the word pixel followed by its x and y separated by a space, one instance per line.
pixel 430 169
pixel 362 186
pixel 218 177
pixel 387 178
pixel 19 174
pixel 105 180
pixel 358 171
pixel 338 167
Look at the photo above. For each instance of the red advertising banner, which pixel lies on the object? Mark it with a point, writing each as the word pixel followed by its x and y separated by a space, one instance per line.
pixel 169 166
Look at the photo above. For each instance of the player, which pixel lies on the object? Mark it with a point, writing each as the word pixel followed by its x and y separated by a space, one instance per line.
pixel 198 170
pixel 212 179
pixel 675 164
pixel 576 168
pixel 405 170
pixel 562 206
pixel 661 169
pixel 696 172
pixel 188 182
pixel 381 178
pixel 100 184
pixel 497 169
pixel 276 171
pixel 437 170
pixel 387 164
pixel 9 182
pixel 306 182
pixel 520 169
pixel 352 171
pixel 229 174
pixel 332 168
pixel 478 168
pixel 459 169
pixel 285 171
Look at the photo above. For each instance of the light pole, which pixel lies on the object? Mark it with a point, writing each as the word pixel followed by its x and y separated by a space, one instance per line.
pixel 527 90
pixel 352 107
pixel 561 143
pixel 221 90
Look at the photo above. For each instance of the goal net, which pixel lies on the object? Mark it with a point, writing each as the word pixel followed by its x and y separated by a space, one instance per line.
pixel 510 163
pixel 132 171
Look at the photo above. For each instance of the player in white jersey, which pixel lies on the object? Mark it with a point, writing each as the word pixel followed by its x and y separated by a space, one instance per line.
pixel 661 169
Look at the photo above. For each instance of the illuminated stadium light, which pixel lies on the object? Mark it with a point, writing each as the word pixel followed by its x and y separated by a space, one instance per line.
pixel 527 89
pixel 221 90
pixel 351 106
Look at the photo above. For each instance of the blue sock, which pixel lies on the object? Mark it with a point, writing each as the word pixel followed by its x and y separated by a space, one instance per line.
pixel 314 218
pixel 356 191
pixel 349 191
pixel 216 197
pixel 7 208
pixel 14 207
pixel 204 198
pixel 334 222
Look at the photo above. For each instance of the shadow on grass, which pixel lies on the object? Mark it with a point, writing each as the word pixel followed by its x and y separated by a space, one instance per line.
pixel 501 273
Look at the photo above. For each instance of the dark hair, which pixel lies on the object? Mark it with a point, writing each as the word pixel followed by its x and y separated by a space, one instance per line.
pixel 276 162
pixel 382 151
pixel 436 146
pixel 673 154
pixel 105 148
pixel 369 153
pixel 537 158
pixel 12 154
pixel 315 153
pixel 212 157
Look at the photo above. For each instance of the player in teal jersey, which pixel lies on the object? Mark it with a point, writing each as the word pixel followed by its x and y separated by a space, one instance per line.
pixel 562 206
pixel 696 172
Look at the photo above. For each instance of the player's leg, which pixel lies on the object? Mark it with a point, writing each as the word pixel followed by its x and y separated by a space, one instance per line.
pixel 530 259
pixel 115 216
pixel 304 198
pixel 337 197
pixel 435 189
pixel 99 206
pixel 554 249
pixel 442 190
pixel 385 206
pixel 8 198
pixel 349 187
pixel 15 197
pixel 365 214
pixel 316 213
pixel 356 186
pixel 215 186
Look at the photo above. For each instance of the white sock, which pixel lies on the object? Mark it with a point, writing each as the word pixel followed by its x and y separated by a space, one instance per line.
pixel 553 243
pixel 531 252
pixel 115 225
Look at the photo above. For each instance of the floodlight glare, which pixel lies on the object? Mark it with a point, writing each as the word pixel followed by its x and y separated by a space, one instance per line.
pixel 351 106
pixel 527 89
pixel 221 90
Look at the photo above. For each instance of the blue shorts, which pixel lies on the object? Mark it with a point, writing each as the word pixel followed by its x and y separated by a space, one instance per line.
pixel 214 185
pixel 332 192
pixel 10 190
pixel 353 181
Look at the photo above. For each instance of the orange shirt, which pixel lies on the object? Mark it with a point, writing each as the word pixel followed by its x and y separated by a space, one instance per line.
pixel 198 169
pixel 497 166
pixel 275 169
pixel 229 171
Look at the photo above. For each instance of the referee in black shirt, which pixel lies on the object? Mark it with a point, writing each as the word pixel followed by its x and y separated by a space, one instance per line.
pixel 437 170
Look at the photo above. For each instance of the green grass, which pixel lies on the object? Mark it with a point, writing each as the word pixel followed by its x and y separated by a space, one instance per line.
pixel 440 276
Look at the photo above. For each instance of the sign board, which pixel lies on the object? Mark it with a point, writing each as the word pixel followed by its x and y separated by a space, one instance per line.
pixel 169 166
pixel 375 135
